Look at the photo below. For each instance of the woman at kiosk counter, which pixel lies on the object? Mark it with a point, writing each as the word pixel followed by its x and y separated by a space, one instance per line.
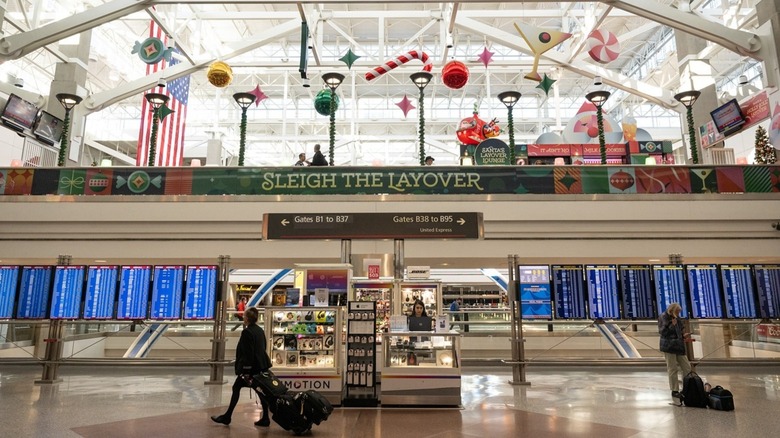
pixel 418 309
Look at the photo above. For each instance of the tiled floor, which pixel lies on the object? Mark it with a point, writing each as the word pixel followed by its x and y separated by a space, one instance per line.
pixel 560 402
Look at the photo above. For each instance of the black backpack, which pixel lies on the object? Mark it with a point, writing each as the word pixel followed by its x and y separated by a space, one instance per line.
pixel 693 393
pixel 721 399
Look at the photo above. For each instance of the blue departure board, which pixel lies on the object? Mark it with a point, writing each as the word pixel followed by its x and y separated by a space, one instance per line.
pixel 101 292
pixel 602 291
pixel 166 292
pixel 34 292
pixel 637 292
pixel 568 292
pixel 133 292
pixel 535 298
pixel 768 288
pixel 670 287
pixel 67 291
pixel 738 287
pixel 9 278
pixel 200 296
pixel 704 286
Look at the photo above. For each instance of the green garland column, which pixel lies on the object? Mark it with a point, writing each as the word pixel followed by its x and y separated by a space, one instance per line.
pixel 242 138
pixel 422 128
pixel 692 136
pixel 602 143
pixel 332 127
pixel 510 126
pixel 64 140
pixel 153 139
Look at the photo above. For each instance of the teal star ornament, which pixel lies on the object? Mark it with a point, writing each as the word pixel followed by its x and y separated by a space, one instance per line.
pixel 546 84
pixel 349 58
pixel 164 112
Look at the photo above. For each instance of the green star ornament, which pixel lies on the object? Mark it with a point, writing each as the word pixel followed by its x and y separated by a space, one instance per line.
pixel 165 112
pixel 349 58
pixel 546 84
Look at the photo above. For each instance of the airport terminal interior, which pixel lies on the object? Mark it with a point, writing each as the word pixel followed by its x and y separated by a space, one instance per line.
pixel 562 230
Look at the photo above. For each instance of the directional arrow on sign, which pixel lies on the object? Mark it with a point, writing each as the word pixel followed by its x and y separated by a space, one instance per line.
pixel 461 221
pixel 285 222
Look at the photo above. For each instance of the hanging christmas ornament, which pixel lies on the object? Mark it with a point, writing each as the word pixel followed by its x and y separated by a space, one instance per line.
pixel 455 75
pixel 259 95
pixel 603 46
pixel 486 56
pixel 219 74
pixel 164 112
pixel 401 59
pixel 349 58
pixel 406 105
pixel 539 40
pixel 322 102
pixel 546 84
pixel 152 50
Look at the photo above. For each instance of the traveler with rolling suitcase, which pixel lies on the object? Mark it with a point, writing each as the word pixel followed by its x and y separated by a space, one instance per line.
pixel 251 359
pixel 670 327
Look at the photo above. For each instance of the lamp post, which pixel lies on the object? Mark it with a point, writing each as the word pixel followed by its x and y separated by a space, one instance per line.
pixel 510 98
pixel 598 98
pixel 156 100
pixel 68 101
pixel 421 80
pixel 688 98
pixel 243 100
pixel 332 81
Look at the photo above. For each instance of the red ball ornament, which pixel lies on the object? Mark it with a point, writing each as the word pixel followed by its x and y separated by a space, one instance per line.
pixel 455 75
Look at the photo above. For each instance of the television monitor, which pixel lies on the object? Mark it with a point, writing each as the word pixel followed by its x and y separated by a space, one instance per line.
pixel 739 292
pixel 166 292
pixel 728 117
pixel 101 292
pixel 18 113
pixel 704 286
pixel 133 292
pixel 48 128
pixel 34 289
pixel 9 279
pixel 669 283
pixel 66 293
pixel 568 291
pixel 637 292
pixel 602 291
pixel 535 295
pixel 768 288
pixel 201 292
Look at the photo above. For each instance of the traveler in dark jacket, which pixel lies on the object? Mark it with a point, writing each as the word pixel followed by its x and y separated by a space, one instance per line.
pixel 318 159
pixel 670 327
pixel 251 358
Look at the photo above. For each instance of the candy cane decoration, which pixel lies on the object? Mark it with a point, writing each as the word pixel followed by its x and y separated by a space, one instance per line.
pixel 401 59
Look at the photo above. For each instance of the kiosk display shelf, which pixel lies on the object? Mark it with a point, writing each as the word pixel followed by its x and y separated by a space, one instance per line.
pixel 305 348
pixel 427 291
pixel 378 292
pixel 360 375
pixel 421 368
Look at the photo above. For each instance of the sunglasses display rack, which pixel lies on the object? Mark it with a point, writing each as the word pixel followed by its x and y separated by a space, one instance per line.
pixel 360 374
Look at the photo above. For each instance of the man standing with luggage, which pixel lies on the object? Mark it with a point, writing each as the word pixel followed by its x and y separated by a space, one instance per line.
pixel 251 359
pixel 670 327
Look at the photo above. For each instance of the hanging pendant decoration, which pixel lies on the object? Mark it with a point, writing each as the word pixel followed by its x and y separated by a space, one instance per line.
pixel 152 50
pixel 219 74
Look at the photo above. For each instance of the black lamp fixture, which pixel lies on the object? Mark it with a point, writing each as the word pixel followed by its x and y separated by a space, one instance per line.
pixel 332 81
pixel 688 98
pixel 598 98
pixel 68 101
pixel 243 100
pixel 421 80
pixel 510 98
pixel 156 100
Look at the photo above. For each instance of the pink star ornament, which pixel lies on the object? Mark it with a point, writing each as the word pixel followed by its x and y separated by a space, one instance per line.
pixel 406 105
pixel 259 95
pixel 486 56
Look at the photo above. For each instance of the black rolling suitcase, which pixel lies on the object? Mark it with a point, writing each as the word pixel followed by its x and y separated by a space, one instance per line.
pixel 286 409
pixel 315 407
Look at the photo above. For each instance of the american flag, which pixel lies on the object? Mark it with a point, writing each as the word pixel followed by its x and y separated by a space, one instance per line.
pixel 170 132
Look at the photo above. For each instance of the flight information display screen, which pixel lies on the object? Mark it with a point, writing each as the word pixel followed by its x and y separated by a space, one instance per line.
pixel 201 292
pixel 637 292
pixel 670 288
pixel 9 278
pixel 67 291
pixel 34 292
pixel 568 292
pixel 133 292
pixel 704 286
pixel 166 292
pixel 534 284
pixel 602 291
pixel 768 288
pixel 738 287
pixel 101 292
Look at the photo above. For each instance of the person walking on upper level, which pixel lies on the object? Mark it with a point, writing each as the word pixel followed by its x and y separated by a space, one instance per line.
pixel 318 159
